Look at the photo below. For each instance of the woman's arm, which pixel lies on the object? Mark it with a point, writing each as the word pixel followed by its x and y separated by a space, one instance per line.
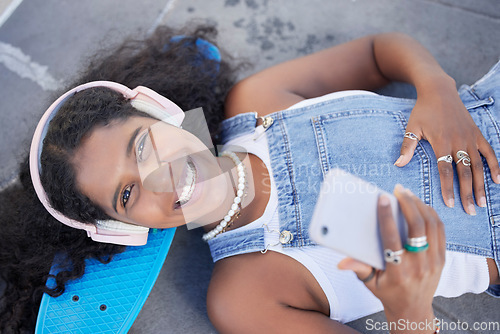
pixel 255 293
pixel 246 311
pixel 250 295
pixel 369 63
pixel 366 63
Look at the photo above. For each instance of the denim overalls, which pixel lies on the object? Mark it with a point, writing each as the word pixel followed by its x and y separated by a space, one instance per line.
pixel 363 135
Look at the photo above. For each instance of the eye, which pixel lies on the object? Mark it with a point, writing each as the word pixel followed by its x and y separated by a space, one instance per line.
pixel 127 191
pixel 143 147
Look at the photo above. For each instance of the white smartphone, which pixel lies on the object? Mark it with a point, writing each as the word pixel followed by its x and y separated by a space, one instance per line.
pixel 345 218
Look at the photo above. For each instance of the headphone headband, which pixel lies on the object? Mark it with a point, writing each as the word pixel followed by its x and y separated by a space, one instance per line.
pixel 141 98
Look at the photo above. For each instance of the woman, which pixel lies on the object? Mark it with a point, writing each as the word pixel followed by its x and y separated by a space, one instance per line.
pixel 80 175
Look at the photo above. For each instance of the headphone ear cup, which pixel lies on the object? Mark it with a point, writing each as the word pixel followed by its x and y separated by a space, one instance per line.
pixel 156 105
pixel 153 111
pixel 121 227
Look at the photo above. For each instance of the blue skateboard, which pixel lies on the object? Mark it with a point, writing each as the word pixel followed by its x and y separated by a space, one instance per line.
pixel 108 298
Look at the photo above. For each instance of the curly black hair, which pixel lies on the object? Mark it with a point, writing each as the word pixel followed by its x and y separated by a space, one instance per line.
pixel 30 238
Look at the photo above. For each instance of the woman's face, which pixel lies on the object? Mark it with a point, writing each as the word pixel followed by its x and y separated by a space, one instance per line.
pixel 150 173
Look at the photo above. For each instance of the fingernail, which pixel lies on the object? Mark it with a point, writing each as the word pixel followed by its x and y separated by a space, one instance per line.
pixel 399 160
pixel 482 201
pixel 398 188
pixel 384 200
pixel 497 178
pixel 472 209
pixel 344 264
pixel 450 202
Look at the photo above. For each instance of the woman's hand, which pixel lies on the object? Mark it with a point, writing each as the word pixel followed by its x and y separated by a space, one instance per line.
pixel 406 289
pixel 440 117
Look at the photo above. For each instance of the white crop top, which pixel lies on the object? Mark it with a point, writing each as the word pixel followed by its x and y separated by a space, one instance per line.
pixel 462 272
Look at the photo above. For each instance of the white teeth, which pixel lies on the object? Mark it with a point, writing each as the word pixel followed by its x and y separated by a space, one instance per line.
pixel 189 183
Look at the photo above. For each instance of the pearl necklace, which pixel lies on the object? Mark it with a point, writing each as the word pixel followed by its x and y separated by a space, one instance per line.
pixel 234 212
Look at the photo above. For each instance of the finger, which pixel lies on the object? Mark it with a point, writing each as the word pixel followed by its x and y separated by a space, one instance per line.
pixel 464 173
pixel 434 230
pixel 388 230
pixel 491 158
pixel 414 219
pixel 442 238
pixel 478 178
pixel 431 220
pixel 446 177
pixel 408 146
pixel 436 235
pixel 362 270
pixel 440 241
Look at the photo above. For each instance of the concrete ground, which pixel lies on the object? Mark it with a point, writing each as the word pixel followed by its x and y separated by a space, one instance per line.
pixel 44 42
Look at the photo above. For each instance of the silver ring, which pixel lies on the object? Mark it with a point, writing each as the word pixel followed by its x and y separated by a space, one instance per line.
pixel 463 157
pixel 411 135
pixel 446 158
pixel 417 242
pixel 391 256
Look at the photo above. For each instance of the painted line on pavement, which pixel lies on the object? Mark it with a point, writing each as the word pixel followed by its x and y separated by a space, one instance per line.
pixel 159 19
pixel 15 60
pixel 9 10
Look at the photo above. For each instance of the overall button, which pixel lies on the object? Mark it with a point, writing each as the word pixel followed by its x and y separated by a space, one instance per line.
pixel 267 122
pixel 286 237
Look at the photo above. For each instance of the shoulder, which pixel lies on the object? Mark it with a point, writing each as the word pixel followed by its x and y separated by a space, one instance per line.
pixel 235 292
pixel 258 93
pixel 249 292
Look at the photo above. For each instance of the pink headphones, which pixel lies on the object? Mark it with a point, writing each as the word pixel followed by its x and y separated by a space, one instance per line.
pixel 141 98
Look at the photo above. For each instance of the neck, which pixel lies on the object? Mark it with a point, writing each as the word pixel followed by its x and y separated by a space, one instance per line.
pixel 256 193
pixel 229 169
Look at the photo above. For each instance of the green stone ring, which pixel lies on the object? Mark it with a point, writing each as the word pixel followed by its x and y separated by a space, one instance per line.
pixel 414 249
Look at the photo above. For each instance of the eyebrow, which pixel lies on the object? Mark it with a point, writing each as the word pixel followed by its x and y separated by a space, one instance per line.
pixel 129 151
pixel 154 147
pixel 132 140
pixel 115 197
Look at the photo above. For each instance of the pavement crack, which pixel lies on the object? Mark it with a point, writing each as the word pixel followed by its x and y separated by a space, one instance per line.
pixel 467 9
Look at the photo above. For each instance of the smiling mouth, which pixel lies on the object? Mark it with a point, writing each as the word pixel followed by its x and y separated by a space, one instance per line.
pixel 188 187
